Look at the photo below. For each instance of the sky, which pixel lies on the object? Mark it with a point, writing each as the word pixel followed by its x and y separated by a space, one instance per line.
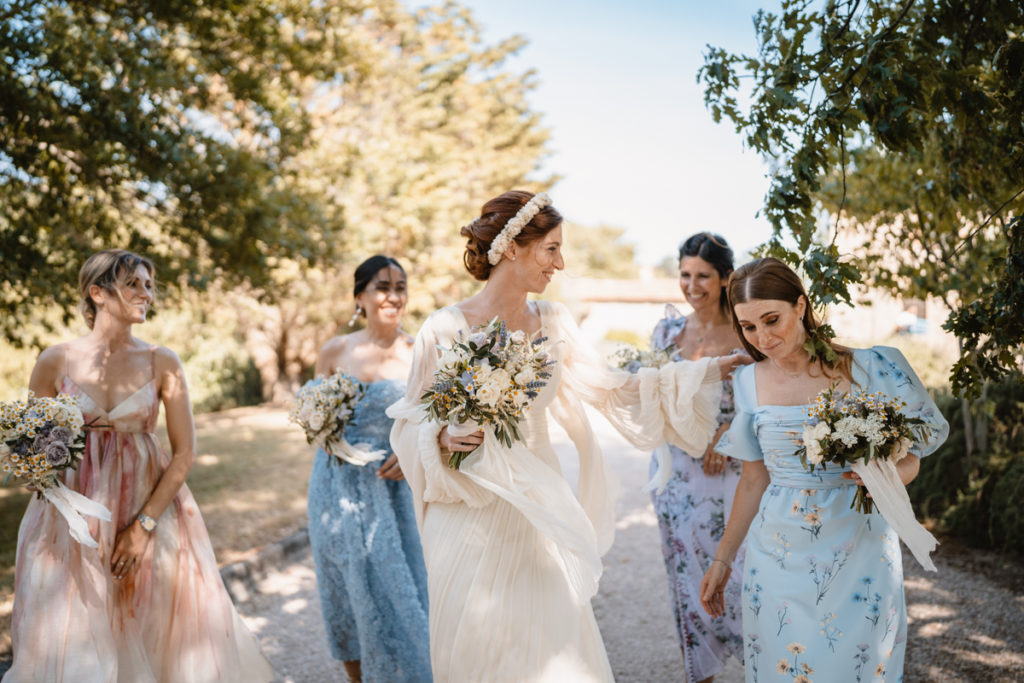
pixel 631 137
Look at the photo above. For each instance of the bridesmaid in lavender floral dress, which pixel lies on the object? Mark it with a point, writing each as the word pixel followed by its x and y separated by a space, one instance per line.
pixel 693 507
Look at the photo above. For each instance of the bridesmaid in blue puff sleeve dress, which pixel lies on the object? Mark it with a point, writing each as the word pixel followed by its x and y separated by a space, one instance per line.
pixel 362 524
pixel 822 583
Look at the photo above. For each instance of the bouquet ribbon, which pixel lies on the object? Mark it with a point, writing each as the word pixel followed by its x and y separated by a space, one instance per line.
pixel 72 505
pixel 663 460
pixel 355 454
pixel 544 497
pixel 890 495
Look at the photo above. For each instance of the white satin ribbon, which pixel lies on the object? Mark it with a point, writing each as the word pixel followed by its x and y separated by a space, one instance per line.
pixel 354 454
pixel 890 496
pixel 663 459
pixel 72 505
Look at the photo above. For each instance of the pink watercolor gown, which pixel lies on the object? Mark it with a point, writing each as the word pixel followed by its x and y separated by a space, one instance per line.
pixel 174 622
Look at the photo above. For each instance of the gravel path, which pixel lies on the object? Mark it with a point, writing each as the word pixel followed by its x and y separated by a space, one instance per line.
pixel 963 626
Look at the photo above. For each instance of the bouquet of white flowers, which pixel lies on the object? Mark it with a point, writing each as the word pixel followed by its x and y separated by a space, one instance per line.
pixel 631 359
pixel 323 408
pixel 487 378
pixel 857 427
pixel 40 438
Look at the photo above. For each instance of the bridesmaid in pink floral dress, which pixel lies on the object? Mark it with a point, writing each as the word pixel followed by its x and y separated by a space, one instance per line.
pixel 148 605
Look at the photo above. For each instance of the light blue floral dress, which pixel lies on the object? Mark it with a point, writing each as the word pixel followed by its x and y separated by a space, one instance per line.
pixel 369 563
pixel 823 584
pixel 692 513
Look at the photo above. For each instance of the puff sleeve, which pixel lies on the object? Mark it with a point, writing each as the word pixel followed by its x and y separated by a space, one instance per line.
pixel 740 441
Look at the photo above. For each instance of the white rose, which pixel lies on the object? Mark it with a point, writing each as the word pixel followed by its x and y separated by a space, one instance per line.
pixel 488 394
pixel 316 421
pixel 814 455
pixel 902 449
pixel 525 376
pixel 477 339
pixel 449 359
pixel 500 378
pixel 518 337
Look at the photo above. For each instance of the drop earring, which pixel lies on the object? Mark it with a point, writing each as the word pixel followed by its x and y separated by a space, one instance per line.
pixel 355 316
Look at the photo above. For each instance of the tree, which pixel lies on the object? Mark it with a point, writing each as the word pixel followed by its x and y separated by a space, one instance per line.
pixel 598 251
pixel 160 126
pixel 434 127
pixel 906 120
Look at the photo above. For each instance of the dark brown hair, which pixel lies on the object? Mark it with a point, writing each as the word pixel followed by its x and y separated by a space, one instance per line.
pixel 770 278
pixel 495 214
pixel 717 252
pixel 109 270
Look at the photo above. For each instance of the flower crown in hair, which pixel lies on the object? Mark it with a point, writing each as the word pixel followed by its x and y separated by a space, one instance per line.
pixel 515 226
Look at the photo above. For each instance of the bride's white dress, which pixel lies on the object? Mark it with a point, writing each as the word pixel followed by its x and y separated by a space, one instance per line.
pixel 513 558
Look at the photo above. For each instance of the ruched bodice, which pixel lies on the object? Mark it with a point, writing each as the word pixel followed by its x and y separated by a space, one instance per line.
pixel 779 430
pixel 369 424
pixel 136 414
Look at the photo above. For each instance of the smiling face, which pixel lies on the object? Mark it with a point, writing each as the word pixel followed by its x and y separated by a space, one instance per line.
pixel 385 296
pixel 130 301
pixel 700 283
pixel 536 263
pixel 772 326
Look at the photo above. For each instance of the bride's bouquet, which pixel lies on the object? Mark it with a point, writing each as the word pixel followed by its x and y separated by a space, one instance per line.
pixel 323 408
pixel 857 428
pixel 631 359
pixel 487 378
pixel 40 438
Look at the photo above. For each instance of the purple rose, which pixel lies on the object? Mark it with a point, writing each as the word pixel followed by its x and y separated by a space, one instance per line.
pixel 61 434
pixel 22 447
pixel 40 443
pixel 57 453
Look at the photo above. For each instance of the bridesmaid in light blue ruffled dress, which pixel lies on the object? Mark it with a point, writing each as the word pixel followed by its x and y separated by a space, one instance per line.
pixel 362 527
pixel 823 583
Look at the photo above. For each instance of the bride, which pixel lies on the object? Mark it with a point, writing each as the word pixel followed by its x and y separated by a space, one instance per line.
pixel 513 558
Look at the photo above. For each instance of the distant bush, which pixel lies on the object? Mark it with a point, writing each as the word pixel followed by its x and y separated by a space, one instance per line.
pixel 978 500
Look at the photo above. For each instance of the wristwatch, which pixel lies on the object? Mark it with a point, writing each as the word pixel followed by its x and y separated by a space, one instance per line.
pixel 147 523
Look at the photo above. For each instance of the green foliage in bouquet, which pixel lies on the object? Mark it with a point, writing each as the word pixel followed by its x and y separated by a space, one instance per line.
pixel 488 377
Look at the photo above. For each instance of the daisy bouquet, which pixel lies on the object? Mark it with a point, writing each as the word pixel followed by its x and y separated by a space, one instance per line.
pixel 857 428
pixel 487 378
pixel 323 408
pixel 40 438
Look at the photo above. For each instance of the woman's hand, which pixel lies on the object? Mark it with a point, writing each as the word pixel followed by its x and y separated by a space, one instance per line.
pixel 712 587
pixel 129 547
pixel 463 444
pixel 391 470
pixel 726 364
pixel 714 462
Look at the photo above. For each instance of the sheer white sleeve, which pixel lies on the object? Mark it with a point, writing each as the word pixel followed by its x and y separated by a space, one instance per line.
pixel 414 438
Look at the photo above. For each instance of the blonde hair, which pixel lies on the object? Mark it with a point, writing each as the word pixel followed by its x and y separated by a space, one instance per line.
pixel 109 270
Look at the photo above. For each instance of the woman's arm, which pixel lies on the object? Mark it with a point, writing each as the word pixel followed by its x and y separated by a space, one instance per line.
pixel 43 381
pixel 132 540
pixel 751 487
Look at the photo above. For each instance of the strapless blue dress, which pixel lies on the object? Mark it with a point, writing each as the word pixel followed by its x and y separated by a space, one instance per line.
pixel 369 562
